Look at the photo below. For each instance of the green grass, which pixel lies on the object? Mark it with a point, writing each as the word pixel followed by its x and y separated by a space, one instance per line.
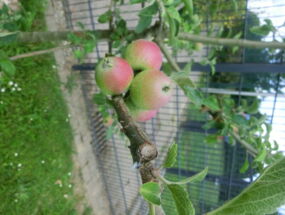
pixel 35 135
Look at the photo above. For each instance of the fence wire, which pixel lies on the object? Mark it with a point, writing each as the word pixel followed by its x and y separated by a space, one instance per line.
pixel 246 74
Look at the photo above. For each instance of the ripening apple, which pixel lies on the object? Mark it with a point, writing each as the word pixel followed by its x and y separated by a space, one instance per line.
pixel 140 115
pixel 113 75
pixel 150 89
pixel 143 54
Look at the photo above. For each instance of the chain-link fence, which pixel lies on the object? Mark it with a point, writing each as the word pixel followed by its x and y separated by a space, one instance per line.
pixel 247 74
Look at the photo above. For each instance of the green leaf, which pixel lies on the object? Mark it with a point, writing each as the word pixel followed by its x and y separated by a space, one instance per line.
pixel 100 99
pixel 171 156
pixel 262 197
pixel 195 96
pixel 105 17
pixel 182 202
pixel 173 13
pixel 245 166
pixel 151 192
pixel 253 108
pixel 261 155
pixel 149 10
pixel 78 53
pixel 188 67
pixel 212 138
pixel 6 65
pixel 173 28
pixel 136 1
pixel 8 37
pixel 195 178
pixel 189 6
pixel 144 23
pixel 209 124
pixel 212 103
pixel 145 19
pixel 265 29
pixel 239 120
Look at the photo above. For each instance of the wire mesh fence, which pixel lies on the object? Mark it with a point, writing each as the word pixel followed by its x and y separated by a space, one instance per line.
pixel 245 74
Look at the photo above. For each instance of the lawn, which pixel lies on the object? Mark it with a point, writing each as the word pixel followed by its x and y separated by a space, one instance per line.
pixel 35 134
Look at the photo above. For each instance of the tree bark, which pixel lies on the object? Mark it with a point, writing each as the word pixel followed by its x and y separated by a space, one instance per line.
pixel 143 151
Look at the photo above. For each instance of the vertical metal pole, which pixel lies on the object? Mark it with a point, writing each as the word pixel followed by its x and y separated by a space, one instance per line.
pixel 67 14
pixel 119 173
pixel 93 25
pixel 275 98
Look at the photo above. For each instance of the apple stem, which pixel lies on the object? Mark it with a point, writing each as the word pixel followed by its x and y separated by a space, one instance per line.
pixel 166 88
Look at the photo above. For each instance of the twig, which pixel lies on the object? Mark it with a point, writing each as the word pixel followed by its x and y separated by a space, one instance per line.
pixel 34 37
pixel 151 209
pixel 251 150
pixel 35 53
pixel 111 23
pixel 173 64
pixel 161 10
pixel 167 55
pixel 230 42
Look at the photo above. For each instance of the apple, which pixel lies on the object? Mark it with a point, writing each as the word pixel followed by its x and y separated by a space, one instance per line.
pixel 113 75
pixel 140 115
pixel 143 54
pixel 150 89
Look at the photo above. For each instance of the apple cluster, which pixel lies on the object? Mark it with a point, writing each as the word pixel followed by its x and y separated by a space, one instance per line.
pixel 148 89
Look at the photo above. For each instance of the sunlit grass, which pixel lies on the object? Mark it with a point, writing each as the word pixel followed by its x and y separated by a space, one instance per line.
pixel 35 135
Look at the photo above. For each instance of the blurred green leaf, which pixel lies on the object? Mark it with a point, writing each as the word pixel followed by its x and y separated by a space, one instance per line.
pixel 261 197
pixel 261 155
pixel 173 13
pixel 149 10
pixel 265 29
pixel 144 23
pixel 145 17
pixel 212 103
pixel 105 17
pixel 245 166
pixel 151 192
pixel 189 6
pixel 182 202
pixel 212 138
pixel 8 67
pixel 253 108
pixel 239 120
pixel 171 156
pixel 195 96
pixel 100 99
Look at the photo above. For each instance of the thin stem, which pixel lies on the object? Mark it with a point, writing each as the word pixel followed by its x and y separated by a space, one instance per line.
pixel 151 209
pixel 173 64
pixel 111 23
pixel 34 37
pixel 164 180
pixel 251 150
pixel 230 42
pixel 161 10
pixel 167 55
pixel 35 53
